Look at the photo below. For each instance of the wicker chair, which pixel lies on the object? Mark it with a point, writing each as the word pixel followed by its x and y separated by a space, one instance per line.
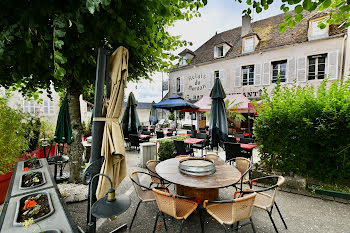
pixel 213 157
pixel 229 212
pixel 144 193
pixel 243 165
pixel 178 207
pixel 156 179
pixel 265 201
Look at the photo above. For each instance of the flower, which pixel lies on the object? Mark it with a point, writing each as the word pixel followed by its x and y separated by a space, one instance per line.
pixel 25 169
pixel 29 204
pixel 28 223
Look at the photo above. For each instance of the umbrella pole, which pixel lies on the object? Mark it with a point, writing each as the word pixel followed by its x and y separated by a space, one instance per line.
pixel 95 163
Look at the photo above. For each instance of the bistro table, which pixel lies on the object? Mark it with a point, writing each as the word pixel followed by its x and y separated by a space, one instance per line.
pixel 193 140
pixel 143 136
pixel 203 187
pixel 186 134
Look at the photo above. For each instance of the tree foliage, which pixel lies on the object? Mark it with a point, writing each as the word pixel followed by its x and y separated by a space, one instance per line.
pixel 339 11
pixel 55 42
pixel 306 131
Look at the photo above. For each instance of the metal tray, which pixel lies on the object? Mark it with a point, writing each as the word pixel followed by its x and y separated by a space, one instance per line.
pixel 197 166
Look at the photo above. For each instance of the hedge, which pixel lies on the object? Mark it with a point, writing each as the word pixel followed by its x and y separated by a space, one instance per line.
pixel 306 131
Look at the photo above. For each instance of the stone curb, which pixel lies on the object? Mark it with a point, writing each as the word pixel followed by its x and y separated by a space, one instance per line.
pixel 73 192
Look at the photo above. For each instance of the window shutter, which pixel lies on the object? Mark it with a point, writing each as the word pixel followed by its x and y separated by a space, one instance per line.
pixel 224 49
pixel 174 88
pixel 215 52
pixel 237 82
pixel 182 84
pixel 291 70
pixel 266 75
pixel 301 73
pixel 258 71
pixel 333 65
pixel 210 80
pixel 222 78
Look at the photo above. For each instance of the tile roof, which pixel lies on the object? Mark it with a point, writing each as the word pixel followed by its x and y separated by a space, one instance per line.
pixel 268 32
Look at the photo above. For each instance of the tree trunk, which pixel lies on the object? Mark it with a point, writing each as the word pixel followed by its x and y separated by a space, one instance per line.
pixel 76 149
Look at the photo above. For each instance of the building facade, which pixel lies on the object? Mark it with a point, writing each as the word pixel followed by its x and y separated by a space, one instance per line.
pixel 250 58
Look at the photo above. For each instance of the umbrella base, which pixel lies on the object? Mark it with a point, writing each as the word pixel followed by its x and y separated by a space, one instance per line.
pixel 63 178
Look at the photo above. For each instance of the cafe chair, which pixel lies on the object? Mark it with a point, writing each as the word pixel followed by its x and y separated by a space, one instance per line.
pixel 156 179
pixel 152 130
pixel 181 148
pixel 213 157
pixel 244 166
pixel 232 151
pixel 144 193
pixel 134 141
pixel 201 146
pixel 267 202
pixel 160 134
pixel 194 133
pixel 169 132
pixel 228 212
pixel 178 207
pixel 246 140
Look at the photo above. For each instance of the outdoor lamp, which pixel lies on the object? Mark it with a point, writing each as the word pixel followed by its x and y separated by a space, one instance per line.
pixel 108 206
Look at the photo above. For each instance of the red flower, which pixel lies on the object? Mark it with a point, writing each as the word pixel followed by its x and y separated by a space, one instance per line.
pixel 25 169
pixel 29 204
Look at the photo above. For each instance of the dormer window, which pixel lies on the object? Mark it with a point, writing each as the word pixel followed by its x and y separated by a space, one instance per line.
pixel 315 32
pixel 248 44
pixel 221 50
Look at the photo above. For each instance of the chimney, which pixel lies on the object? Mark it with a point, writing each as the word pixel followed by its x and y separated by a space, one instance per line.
pixel 246 25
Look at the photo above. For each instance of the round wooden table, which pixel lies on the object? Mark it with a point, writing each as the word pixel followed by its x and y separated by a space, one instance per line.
pixel 203 187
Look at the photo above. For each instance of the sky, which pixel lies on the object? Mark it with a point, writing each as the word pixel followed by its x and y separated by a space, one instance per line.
pixel 216 16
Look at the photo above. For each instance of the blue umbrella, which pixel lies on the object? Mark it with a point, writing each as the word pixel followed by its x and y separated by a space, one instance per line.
pixel 218 119
pixel 153 115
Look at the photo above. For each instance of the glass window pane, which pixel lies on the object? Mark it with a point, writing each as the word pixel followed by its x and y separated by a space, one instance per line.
pixel 321 60
pixel 321 67
pixel 312 68
pixel 312 61
pixel 311 76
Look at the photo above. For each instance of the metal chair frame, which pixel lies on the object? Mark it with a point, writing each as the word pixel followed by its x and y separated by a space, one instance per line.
pixel 242 176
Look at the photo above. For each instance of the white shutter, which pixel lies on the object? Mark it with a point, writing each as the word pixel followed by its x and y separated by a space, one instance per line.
pixel 333 65
pixel 224 49
pixel 237 82
pixel 291 70
pixel 266 75
pixel 258 71
pixel 215 52
pixel 301 72
pixel 182 84
pixel 174 88
pixel 222 78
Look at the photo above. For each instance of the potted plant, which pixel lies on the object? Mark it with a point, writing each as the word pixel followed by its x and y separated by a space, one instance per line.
pixel 12 143
pixel 32 179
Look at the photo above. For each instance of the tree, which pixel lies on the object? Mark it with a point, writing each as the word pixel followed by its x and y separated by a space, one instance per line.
pixel 45 43
pixel 339 11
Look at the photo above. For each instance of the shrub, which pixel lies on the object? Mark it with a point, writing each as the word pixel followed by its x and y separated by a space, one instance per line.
pixel 87 129
pixel 32 127
pixel 167 148
pixel 306 132
pixel 12 137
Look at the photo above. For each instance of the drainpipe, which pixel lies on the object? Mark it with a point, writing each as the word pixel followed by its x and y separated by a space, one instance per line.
pixel 343 57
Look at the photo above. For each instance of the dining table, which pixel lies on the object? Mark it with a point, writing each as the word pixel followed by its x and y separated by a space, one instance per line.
pixel 193 140
pixel 202 187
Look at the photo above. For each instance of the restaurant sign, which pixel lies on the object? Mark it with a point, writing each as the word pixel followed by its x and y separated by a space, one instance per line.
pixel 197 82
pixel 248 94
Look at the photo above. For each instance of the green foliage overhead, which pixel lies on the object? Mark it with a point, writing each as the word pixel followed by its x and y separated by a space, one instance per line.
pixel 339 11
pixel 306 131
pixel 55 42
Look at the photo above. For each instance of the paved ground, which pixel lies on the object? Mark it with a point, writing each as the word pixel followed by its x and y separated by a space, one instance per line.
pixel 301 213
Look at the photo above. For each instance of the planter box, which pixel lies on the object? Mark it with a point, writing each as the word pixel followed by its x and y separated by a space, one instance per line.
pixel 4 184
pixel 33 187
pixel 45 169
pixel 330 193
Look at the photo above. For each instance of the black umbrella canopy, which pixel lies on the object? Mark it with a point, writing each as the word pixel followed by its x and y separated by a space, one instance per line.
pixel 218 119
pixel 130 121
pixel 63 133
pixel 175 102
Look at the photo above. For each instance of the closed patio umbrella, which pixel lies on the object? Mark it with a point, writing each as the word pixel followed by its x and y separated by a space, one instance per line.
pixel 153 115
pixel 218 119
pixel 130 120
pixel 113 149
pixel 63 132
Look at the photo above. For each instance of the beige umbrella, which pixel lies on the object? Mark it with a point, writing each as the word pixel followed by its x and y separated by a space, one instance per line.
pixel 113 148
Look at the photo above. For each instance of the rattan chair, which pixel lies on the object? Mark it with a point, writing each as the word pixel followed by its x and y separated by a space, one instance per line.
pixel 178 207
pixel 244 166
pixel 156 179
pixel 144 193
pixel 265 201
pixel 213 157
pixel 228 212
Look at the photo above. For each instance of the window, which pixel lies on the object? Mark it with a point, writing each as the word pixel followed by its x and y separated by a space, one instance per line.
pixel 279 69
pixel 219 51
pixel 248 45
pixel 316 32
pixel 48 107
pixel 248 75
pixel 216 74
pixel 317 66
pixel 29 106
pixel 179 85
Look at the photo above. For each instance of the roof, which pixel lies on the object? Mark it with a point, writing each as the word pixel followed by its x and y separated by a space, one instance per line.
pixel 141 105
pixel 183 53
pixel 268 32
